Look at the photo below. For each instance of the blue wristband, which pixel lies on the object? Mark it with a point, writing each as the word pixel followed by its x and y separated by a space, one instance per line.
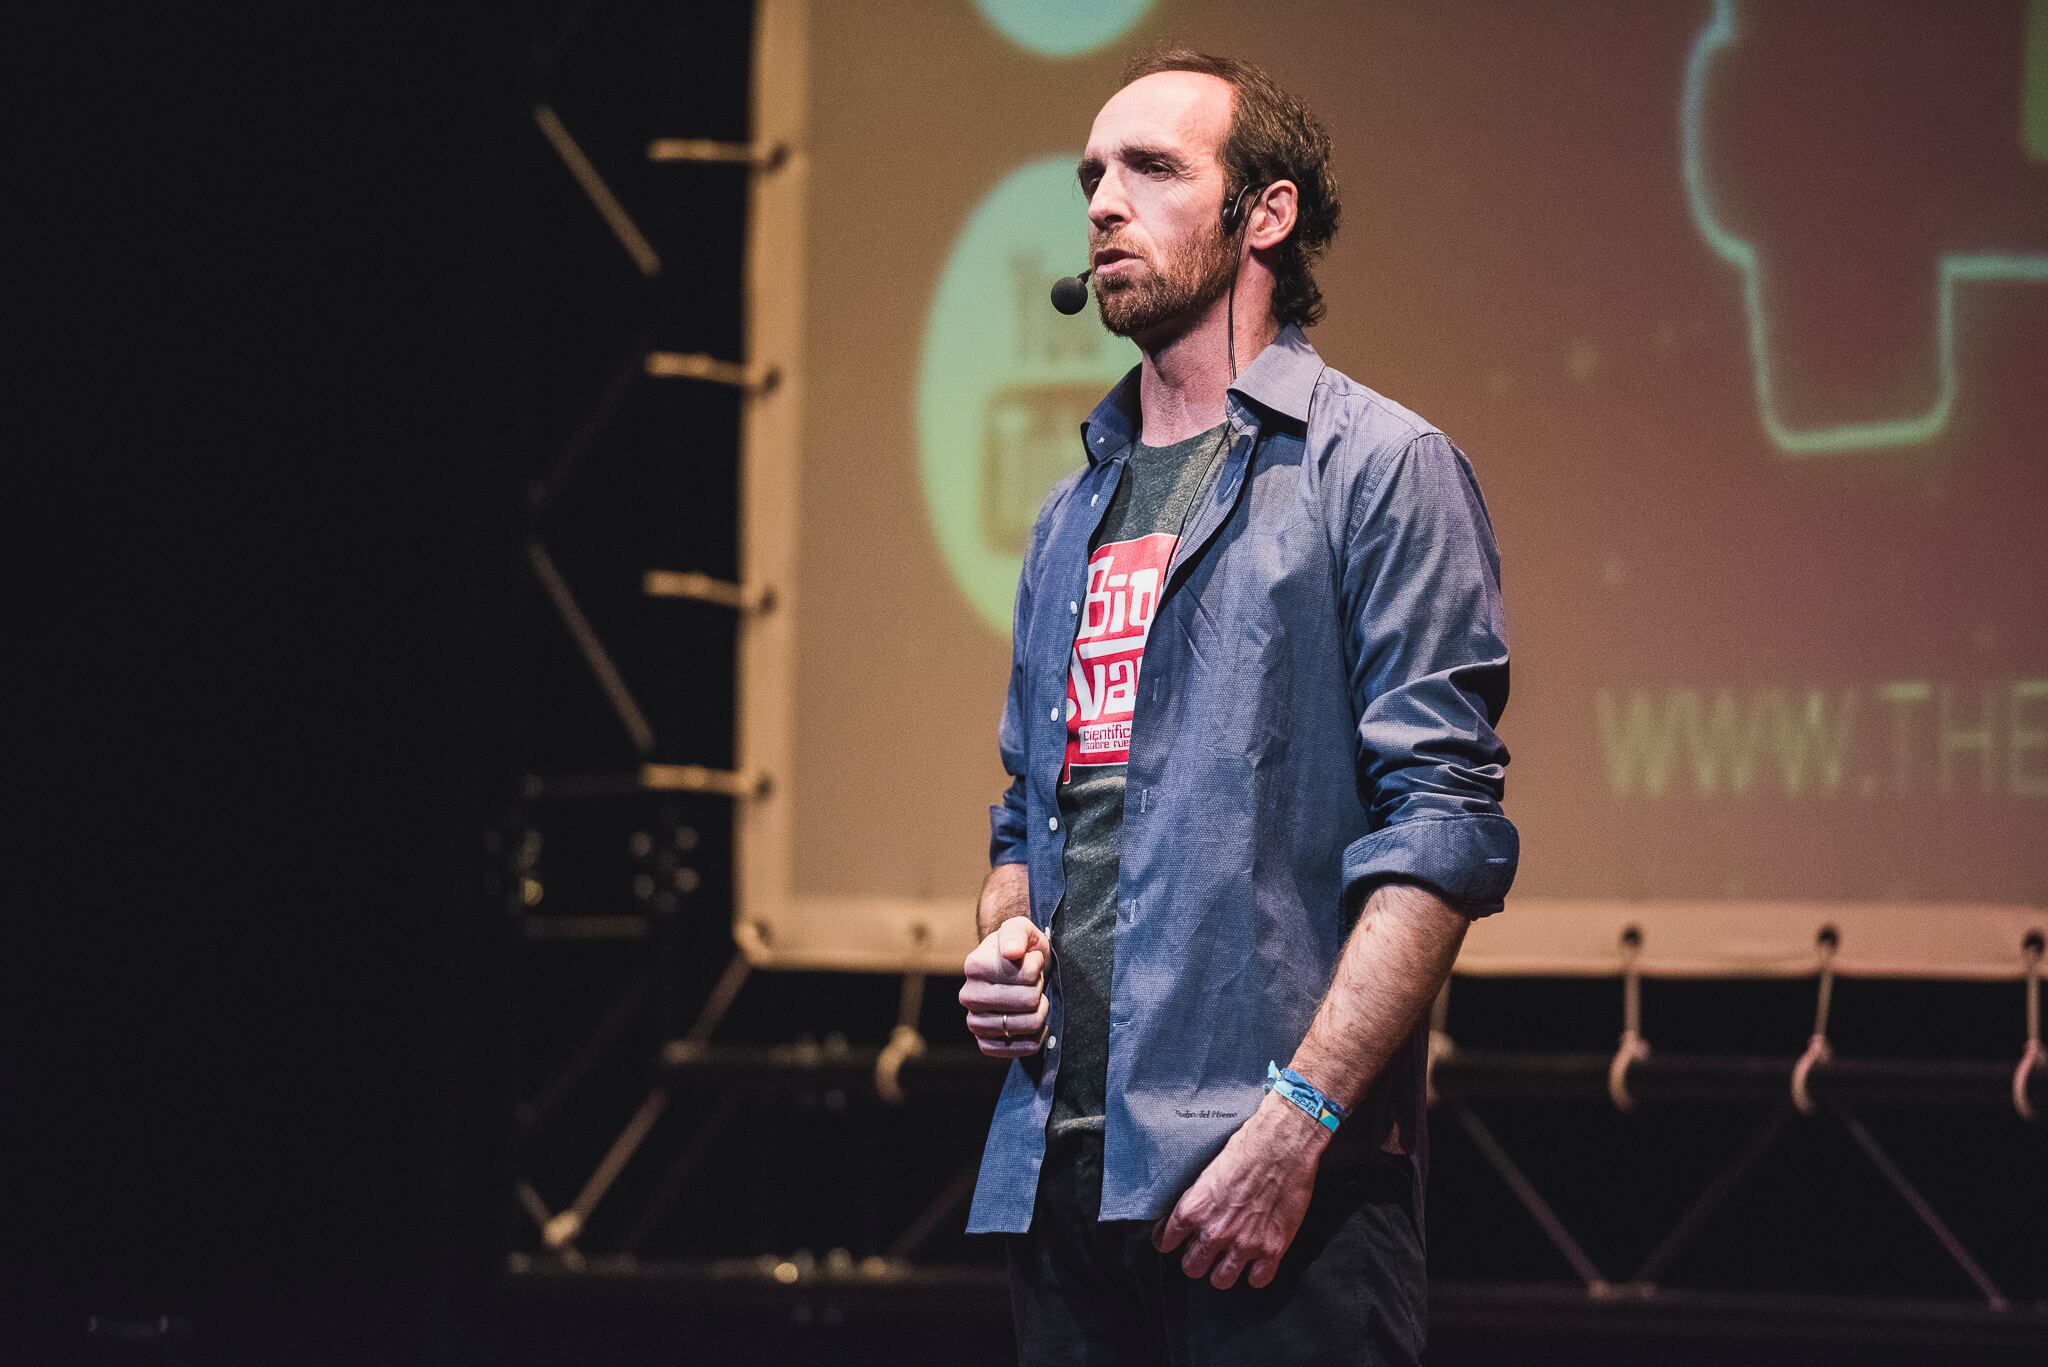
pixel 1302 1094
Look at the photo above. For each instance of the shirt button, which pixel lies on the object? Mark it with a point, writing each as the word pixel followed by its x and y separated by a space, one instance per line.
pixel 1052 1041
pixel 1073 608
pixel 1054 715
pixel 1052 823
pixel 1092 498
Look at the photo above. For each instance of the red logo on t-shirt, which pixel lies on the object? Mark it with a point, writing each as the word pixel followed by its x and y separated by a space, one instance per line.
pixel 1124 579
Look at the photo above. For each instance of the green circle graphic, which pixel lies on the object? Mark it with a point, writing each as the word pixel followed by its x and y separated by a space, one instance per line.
pixel 1062 28
pixel 1005 381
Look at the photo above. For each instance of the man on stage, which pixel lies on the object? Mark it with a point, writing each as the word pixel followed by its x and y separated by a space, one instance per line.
pixel 1258 659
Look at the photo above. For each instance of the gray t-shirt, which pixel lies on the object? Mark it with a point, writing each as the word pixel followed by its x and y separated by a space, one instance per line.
pixel 1127 566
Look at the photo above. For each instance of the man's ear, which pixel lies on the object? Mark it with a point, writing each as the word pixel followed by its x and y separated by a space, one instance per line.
pixel 1272 215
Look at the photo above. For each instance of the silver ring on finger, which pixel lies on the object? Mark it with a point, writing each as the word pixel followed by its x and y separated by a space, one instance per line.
pixel 1006 1028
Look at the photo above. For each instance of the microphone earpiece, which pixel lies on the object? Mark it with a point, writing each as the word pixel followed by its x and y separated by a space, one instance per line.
pixel 1233 209
pixel 1070 292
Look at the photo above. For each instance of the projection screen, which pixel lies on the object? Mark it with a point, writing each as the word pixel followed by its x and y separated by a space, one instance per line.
pixel 1740 311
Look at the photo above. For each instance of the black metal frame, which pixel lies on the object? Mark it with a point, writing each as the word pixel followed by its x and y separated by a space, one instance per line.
pixel 1461 1081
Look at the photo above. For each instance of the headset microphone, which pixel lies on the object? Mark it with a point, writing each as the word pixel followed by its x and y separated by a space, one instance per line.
pixel 1070 292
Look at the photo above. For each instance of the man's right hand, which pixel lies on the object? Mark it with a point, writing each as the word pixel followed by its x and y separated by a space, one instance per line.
pixel 1005 989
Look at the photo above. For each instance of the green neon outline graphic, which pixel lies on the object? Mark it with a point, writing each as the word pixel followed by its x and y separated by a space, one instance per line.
pixel 1954 268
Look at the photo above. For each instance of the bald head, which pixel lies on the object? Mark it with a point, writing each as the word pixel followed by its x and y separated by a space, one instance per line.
pixel 1184 112
pixel 1268 137
pixel 1153 173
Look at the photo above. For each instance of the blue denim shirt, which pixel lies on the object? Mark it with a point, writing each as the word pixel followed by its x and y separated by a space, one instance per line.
pixel 1316 716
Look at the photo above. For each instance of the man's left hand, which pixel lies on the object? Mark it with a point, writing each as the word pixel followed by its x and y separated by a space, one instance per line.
pixel 1244 1210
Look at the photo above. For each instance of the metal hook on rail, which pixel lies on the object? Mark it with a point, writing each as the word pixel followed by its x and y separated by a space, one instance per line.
pixel 905 1042
pixel 1634 1048
pixel 1818 1051
pixel 2033 1055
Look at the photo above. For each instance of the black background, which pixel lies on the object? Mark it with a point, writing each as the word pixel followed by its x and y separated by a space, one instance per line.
pixel 269 360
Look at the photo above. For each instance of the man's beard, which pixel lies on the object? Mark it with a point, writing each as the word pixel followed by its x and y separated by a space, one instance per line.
pixel 1191 280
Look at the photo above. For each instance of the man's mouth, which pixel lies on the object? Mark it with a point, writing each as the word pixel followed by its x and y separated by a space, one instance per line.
pixel 1110 257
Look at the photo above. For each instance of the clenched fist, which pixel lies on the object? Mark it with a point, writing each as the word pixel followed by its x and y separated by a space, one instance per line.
pixel 1005 989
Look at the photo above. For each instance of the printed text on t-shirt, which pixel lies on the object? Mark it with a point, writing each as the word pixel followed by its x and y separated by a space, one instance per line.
pixel 1124 579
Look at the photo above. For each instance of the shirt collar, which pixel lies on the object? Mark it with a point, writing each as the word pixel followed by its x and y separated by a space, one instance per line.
pixel 1280 379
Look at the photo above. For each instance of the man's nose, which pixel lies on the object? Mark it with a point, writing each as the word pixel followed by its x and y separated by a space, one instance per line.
pixel 1107 207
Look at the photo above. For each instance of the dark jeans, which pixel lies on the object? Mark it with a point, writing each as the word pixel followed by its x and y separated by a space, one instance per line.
pixel 1088 1291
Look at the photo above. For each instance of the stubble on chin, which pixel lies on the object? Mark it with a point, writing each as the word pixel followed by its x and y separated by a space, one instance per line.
pixel 1121 304
pixel 1132 307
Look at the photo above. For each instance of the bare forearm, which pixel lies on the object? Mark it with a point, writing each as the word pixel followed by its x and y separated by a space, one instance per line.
pixel 1391 969
pixel 1006 893
pixel 1250 1200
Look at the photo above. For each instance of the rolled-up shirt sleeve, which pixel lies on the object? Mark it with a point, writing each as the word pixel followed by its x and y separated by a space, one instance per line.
pixel 1429 679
